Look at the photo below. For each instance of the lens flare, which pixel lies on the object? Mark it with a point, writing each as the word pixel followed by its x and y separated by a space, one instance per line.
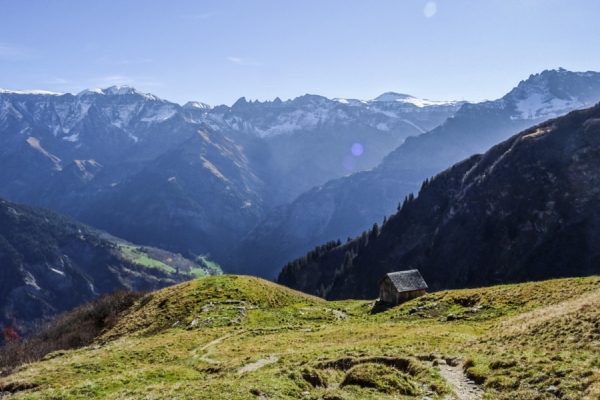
pixel 357 149
pixel 430 9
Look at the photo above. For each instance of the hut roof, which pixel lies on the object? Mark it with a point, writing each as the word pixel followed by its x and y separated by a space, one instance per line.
pixel 406 281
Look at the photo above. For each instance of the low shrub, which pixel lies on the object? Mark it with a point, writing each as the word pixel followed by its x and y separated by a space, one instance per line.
pixel 71 330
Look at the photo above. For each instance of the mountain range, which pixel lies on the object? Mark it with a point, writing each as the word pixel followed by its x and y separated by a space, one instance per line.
pixel 527 209
pixel 193 179
pixel 258 183
pixel 347 206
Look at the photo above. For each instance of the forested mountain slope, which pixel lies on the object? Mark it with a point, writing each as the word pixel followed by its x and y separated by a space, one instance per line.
pixel 528 209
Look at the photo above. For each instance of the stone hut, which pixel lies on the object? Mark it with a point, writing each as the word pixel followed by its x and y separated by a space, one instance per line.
pixel 401 286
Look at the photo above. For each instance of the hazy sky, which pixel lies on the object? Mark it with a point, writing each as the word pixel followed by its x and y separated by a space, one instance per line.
pixel 218 51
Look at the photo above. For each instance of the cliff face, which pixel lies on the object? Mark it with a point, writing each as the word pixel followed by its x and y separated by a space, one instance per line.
pixel 528 209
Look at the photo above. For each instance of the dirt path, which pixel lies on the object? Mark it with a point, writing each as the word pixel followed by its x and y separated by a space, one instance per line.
pixel 208 347
pixel 259 364
pixel 464 388
pixel 219 340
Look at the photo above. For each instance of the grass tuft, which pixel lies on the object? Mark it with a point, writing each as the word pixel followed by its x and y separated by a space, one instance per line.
pixel 380 377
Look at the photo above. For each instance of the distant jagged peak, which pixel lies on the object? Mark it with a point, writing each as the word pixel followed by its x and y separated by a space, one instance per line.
pixel 554 92
pixel 194 105
pixel 117 90
pixel 303 101
pixel 550 80
pixel 241 102
pixel 300 101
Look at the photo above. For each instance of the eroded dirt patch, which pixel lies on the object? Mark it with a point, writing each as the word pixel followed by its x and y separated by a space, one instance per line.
pixel 258 364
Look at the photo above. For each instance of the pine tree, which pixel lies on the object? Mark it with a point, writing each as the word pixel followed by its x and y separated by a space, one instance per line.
pixel 348 260
pixel 375 230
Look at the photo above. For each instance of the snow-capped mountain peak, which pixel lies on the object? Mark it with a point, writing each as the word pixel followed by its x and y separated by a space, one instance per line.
pixel 392 96
pixel 120 90
pixel 34 92
pixel 550 93
pixel 116 90
pixel 408 99
pixel 197 105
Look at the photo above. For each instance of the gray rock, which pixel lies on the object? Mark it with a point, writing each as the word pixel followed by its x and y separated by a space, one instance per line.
pixel 552 389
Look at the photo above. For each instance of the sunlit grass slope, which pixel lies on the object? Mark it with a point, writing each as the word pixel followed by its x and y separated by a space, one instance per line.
pixel 237 337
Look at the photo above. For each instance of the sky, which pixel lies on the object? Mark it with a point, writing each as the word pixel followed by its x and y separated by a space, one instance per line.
pixel 218 51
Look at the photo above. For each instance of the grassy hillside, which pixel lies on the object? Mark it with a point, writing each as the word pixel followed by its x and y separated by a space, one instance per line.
pixel 240 337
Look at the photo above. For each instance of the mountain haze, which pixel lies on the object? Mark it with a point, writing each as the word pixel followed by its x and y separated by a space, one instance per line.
pixel 194 179
pixel 525 210
pixel 258 183
pixel 347 206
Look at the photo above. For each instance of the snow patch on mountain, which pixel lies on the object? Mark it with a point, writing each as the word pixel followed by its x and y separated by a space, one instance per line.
pixel 351 102
pixel 120 90
pixel 34 92
pixel 162 115
pixel 398 99
pixel 302 119
pixel 413 125
pixel 116 90
pixel 408 99
pixel 72 138
pixel 548 94
pixel 535 106
pixel 197 105
pixel 391 96
pixel 88 92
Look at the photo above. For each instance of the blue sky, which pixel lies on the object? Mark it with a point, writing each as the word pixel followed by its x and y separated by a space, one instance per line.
pixel 218 51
